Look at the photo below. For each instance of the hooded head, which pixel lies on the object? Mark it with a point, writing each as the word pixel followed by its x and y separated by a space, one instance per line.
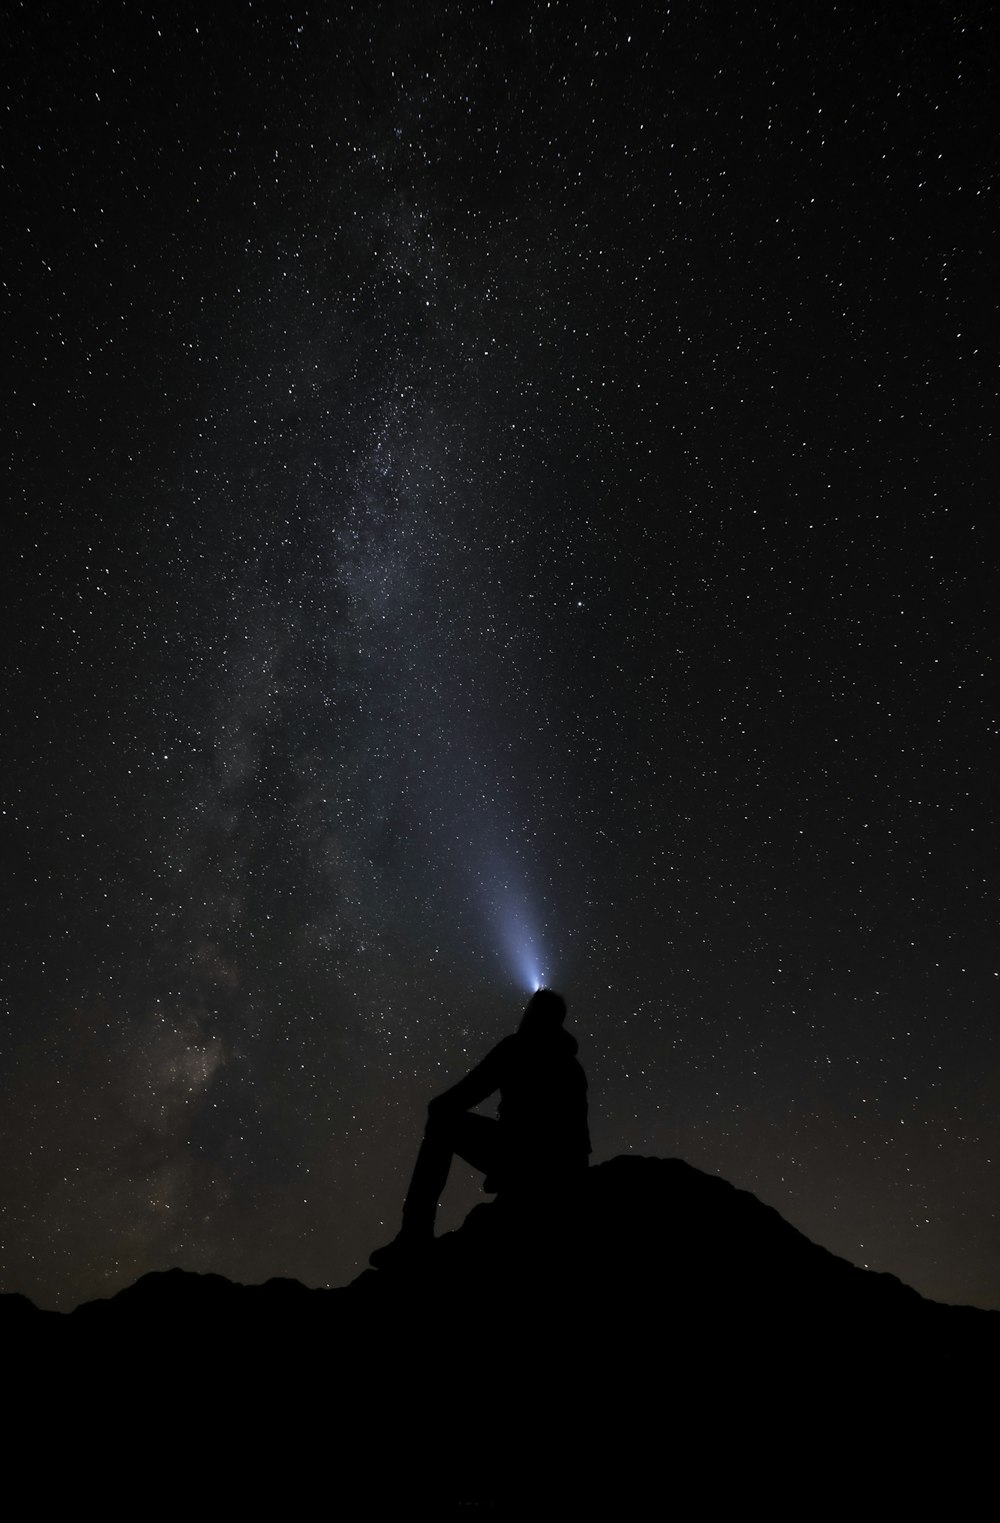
pixel 545 1012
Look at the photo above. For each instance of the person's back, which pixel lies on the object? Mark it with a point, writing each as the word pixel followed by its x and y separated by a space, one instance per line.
pixel 543 1103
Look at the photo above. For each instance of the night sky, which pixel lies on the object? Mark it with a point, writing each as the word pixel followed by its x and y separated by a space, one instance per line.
pixel 496 492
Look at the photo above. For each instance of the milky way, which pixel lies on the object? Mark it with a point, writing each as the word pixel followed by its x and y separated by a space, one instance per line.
pixel 499 497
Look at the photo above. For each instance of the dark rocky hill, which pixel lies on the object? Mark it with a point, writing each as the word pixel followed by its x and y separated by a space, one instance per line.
pixel 659 1332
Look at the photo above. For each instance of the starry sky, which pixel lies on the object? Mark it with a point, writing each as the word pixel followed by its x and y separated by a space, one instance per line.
pixel 495 493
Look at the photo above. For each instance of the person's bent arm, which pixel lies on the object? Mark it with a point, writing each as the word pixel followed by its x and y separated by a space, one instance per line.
pixel 477 1085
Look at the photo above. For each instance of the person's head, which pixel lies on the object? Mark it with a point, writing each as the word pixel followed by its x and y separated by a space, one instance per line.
pixel 546 1011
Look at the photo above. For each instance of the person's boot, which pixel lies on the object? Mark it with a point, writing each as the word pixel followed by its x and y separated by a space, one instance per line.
pixel 411 1245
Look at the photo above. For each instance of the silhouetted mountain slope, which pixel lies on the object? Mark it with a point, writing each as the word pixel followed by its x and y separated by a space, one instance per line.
pixel 658 1320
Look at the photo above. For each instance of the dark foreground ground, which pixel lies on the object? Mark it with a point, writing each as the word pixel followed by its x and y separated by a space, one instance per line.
pixel 658 1344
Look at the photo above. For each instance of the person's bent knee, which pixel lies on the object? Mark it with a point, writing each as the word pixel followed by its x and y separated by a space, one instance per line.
pixel 440 1121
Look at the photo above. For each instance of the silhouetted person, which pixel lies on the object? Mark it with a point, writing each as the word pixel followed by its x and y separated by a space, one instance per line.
pixel 539 1140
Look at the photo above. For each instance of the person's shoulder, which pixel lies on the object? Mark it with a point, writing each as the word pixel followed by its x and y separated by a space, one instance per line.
pixel 502 1052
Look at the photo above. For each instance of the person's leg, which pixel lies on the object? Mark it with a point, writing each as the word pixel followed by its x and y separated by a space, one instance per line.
pixel 472 1138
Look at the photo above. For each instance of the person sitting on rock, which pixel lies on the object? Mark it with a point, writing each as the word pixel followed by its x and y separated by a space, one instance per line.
pixel 538 1142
